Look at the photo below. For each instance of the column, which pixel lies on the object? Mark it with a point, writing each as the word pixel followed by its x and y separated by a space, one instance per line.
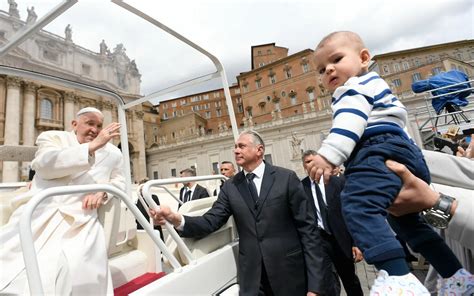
pixel 29 112
pixel 107 111
pixel 12 127
pixel 69 114
pixel 3 100
pixel 140 172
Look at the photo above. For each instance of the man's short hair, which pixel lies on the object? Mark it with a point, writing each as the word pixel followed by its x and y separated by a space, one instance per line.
pixel 256 137
pixel 188 171
pixel 227 162
pixel 308 153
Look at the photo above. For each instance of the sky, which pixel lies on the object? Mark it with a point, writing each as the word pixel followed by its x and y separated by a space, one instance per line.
pixel 228 29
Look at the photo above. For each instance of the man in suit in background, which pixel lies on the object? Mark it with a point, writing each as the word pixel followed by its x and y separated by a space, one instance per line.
pixel 227 169
pixel 279 245
pixel 337 242
pixel 191 190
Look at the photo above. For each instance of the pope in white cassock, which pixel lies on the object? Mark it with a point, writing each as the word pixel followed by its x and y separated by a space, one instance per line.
pixel 69 238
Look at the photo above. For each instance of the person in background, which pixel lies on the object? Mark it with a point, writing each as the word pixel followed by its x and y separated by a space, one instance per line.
pixel 69 238
pixel 367 129
pixel 191 190
pixel 279 245
pixel 145 211
pixel 227 169
pixel 338 244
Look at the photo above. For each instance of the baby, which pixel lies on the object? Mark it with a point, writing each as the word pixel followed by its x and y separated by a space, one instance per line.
pixel 368 128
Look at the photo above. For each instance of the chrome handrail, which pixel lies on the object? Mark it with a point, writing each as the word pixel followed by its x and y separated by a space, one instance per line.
pixel 159 183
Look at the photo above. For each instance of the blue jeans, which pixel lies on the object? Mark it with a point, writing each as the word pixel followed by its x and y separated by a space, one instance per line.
pixel 370 189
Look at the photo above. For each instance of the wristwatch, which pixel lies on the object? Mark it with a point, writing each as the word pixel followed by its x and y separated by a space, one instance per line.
pixel 439 215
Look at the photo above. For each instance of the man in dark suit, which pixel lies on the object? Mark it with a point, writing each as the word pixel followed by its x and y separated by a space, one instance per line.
pixel 338 244
pixel 279 245
pixel 191 190
pixel 227 169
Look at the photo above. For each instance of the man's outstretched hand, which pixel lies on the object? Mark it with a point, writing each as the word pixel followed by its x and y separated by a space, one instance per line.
pixel 164 214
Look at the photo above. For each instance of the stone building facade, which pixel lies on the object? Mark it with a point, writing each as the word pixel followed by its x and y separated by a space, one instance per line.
pixel 29 107
pixel 206 113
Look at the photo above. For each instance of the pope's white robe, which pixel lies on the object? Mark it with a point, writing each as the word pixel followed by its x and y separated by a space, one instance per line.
pixel 69 240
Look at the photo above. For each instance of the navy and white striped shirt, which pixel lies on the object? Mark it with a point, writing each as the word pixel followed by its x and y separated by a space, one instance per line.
pixel 363 107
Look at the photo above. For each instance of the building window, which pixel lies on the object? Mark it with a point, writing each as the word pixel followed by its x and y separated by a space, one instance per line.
pixel 175 113
pixel 165 115
pixel 246 88
pixel 52 56
pixel 268 158
pixel 396 67
pixel 277 106
pixel 405 65
pixel 46 109
pixel 385 69
pixel 283 94
pixel 237 91
pixel 397 82
pixel 155 175
pixel 86 69
pixel 240 108
pixel 217 94
pixel 288 73
pixel 311 95
pixel 305 68
pixel 215 167
pixel 218 104
pixel 183 102
pixel 272 79
pixel 249 111
pixel 436 70
pixel 173 172
pixel 208 114
pixel 417 63
pixel 416 77
pixel 294 100
pixel 219 112
pixel 258 84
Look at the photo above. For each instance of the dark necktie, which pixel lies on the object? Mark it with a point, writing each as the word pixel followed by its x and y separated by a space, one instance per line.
pixel 252 187
pixel 322 208
pixel 187 196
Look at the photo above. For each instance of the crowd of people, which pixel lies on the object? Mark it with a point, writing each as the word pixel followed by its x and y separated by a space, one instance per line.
pixel 296 237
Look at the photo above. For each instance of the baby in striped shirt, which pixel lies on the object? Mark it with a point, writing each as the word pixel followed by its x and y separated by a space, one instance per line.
pixel 368 128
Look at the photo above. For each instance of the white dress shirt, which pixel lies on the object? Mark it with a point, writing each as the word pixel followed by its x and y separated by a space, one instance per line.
pixel 259 171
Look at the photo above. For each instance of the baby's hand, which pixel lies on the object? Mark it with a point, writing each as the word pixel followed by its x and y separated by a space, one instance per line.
pixel 321 167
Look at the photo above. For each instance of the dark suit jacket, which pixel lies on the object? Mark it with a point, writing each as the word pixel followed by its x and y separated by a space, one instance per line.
pixel 147 217
pixel 199 192
pixel 336 220
pixel 280 232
